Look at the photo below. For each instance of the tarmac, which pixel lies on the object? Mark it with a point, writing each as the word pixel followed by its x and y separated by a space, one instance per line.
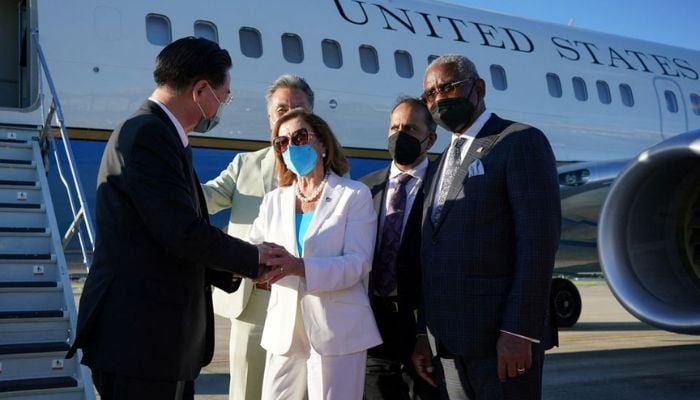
pixel 608 354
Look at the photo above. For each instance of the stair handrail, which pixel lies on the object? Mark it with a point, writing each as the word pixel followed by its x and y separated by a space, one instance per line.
pixel 83 212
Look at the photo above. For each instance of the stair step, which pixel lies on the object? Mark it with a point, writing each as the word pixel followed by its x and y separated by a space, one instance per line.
pixel 42 257
pixel 12 259
pixel 33 206
pixel 37 384
pixel 29 348
pixel 15 299
pixel 27 284
pixel 34 327
pixel 15 162
pixel 43 363
pixel 30 314
pixel 19 229
pixel 23 219
pixel 24 154
pixel 69 393
pixel 19 132
pixel 13 141
pixel 29 271
pixel 10 194
pixel 7 182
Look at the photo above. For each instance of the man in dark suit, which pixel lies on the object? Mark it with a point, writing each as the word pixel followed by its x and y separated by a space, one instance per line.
pixel 490 231
pixel 146 323
pixel 394 287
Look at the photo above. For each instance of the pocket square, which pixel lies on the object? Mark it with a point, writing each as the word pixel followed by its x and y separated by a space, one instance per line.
pixel 476 168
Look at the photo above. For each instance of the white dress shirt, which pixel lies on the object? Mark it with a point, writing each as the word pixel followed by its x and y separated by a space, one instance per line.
pixel 178 125
pixel 412 188
pixel 469 135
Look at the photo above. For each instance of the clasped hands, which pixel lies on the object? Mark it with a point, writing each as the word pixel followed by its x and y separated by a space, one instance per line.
pixel 276 263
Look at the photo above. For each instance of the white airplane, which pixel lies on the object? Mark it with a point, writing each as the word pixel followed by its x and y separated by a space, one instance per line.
pixel 602 100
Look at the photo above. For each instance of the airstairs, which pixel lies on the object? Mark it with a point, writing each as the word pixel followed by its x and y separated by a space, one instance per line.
pixel 37 310
pixel 37 307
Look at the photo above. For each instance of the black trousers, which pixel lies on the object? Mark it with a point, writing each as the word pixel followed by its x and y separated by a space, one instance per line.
pixel 390 374
pixel 119 387
pixel 479 378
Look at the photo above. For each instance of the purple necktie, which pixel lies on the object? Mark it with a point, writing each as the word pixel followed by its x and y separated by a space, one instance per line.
pixel 385 263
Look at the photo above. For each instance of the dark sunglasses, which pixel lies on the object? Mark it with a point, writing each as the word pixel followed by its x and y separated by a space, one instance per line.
pixel 446 88
pixel 299 137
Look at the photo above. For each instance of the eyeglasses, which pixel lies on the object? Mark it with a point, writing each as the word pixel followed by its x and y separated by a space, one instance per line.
pixel 299 137
pixel 226 101
pixel 444 88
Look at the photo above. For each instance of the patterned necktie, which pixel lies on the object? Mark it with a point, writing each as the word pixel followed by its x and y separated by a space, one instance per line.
pixel 451 168
pixel 385 264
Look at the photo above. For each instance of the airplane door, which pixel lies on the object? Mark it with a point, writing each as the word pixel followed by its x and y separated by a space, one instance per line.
pixel 673 115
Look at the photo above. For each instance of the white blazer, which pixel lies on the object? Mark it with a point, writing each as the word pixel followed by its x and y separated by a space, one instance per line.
pixel 338 249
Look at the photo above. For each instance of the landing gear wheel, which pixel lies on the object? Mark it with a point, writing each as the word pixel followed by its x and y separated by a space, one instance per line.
pixel 565 302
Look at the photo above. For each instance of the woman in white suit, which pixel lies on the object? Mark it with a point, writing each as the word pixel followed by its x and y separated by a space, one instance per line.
pixel 319 323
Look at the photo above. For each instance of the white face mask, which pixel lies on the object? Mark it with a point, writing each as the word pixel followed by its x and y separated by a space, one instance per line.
pixel 206 124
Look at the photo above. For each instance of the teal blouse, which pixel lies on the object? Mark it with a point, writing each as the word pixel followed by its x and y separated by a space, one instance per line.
pixel 302 225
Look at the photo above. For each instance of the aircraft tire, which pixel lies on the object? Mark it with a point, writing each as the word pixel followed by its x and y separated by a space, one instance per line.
pixel 565 302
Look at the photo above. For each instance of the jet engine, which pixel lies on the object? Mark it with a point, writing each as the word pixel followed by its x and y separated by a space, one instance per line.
pixel 649 235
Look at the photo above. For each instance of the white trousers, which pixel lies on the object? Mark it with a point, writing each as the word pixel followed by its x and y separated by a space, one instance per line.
pixel 246 356
pixel 303 371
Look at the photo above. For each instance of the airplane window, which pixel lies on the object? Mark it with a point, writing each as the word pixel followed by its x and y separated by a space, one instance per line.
pixel 498 77
pixel 580 90
pixel 368 59
pixel 431 58
pixel 207 30
pixel 292 48
pixel 158 29
pixel 695 101
pixel 332 55
pixel 626 94
pixel 554 85
pixel 603 92
pixel 404 64
pixel 671 101
pixel 251 42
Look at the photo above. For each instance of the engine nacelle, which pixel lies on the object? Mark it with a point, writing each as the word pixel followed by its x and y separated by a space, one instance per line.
pixel 649 235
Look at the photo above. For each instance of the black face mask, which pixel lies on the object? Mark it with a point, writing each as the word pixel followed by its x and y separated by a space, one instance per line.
pixel 404 148
pixel 453 114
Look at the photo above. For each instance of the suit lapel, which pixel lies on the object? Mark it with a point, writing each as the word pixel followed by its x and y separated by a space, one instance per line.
pixel 199 196
pixel 267 166
pixel 288 215
pixel 433 176
pixel 378 189
pixel 326 203
pixel 482 140
pixel 188 164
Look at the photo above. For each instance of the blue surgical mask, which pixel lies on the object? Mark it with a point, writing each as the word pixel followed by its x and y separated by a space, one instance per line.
pixel 206 124
pixel 301 160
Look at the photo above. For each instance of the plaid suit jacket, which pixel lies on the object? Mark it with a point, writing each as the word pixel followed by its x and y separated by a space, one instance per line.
pixel 487 263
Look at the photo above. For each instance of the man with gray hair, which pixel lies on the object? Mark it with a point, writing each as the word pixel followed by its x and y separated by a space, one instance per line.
pixel 241 187
pixel 490 231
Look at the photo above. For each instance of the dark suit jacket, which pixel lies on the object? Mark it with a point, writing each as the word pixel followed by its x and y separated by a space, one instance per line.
pixel 487 263
pixel 408 261
pixel 146 306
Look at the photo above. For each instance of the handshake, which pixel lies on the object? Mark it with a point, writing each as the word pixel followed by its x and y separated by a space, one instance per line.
pixel 275 262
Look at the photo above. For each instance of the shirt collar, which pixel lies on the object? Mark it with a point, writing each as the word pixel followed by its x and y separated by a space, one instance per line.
pixel 417 172
pixel 474 129
pixel 178 126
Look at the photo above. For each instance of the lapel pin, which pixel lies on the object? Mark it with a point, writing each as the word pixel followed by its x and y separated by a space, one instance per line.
pixel 479 150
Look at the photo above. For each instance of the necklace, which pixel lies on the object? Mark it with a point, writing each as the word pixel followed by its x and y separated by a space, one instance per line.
pixel 312 197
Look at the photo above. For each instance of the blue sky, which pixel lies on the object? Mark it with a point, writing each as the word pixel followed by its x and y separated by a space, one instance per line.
pixel 671 22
